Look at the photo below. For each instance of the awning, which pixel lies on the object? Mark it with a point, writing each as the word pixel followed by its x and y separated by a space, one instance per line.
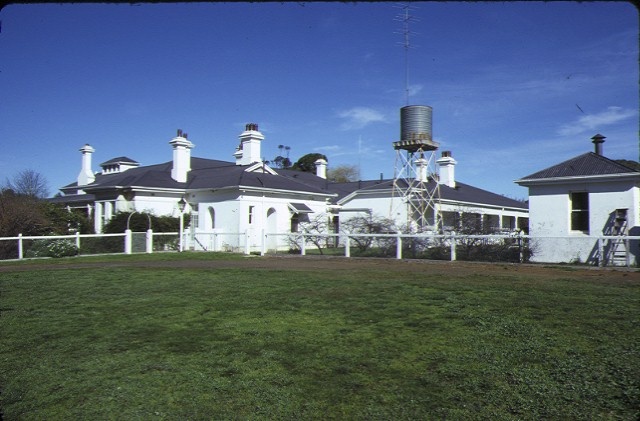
pixel 299 208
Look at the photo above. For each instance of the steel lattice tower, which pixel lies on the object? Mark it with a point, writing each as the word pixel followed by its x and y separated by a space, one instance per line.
pixel 416 192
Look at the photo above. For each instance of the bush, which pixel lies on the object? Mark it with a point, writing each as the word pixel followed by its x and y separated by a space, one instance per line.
pixel 52 248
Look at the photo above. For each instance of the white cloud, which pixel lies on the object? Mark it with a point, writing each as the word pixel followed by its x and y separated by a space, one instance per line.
pixel 415 89
pixel 596 121
pixel 328 148
pixel 359 117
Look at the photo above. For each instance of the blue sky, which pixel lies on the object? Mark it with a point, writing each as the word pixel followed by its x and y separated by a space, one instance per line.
pixel 515 86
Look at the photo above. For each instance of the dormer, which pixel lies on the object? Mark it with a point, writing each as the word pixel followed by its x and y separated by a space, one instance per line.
pixel 118 165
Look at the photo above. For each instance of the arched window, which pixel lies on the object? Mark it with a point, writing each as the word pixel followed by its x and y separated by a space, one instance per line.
pixel 212 217
pixel 272 225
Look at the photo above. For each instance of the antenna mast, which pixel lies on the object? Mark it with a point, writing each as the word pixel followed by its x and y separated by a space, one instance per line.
pixel 416 191
pixel 406 18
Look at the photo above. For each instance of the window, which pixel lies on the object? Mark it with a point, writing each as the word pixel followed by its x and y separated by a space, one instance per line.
pixel 579 211
pixel 195 223
pixel 295 222
pixel 251 208
pixel 212 217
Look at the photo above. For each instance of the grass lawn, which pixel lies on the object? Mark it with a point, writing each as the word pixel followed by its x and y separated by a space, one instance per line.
pixel 117 338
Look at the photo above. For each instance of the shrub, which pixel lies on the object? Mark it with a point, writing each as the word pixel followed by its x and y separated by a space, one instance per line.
pixel 52 248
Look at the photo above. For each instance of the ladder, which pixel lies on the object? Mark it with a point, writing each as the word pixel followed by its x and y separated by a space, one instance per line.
pixel 619 248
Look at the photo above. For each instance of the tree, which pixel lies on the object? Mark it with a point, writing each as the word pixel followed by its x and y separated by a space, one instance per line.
pixel 29 183
pixel 306 163
pixel 139 222
pixel 18 215
pixel 628 163
pixel 371 224
pixel 343 174
pixel 315 231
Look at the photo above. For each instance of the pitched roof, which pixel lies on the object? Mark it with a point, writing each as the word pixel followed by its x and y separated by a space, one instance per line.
pixel 588 164
pixel 463 193
pixel 215 174
pixel 204 174
pixel 119 160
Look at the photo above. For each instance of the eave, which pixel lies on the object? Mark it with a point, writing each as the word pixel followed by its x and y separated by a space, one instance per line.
pixel 599 178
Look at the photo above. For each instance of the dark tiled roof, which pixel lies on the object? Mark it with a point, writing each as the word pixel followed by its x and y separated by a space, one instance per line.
pixel 205 173
pixel 71 199
pixel 121 160
pixel 462 193
pixel 587 164
pixel 215 174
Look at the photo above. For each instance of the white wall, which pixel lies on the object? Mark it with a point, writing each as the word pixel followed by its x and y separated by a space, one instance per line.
pixel 232 214
pixel 550 215
pixel 382 205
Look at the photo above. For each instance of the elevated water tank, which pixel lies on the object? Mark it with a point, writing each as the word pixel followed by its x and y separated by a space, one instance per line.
pixel 415 122
pixel 415 129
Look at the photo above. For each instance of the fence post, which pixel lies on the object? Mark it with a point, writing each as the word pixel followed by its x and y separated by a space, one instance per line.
pixel 303 247
pixel 19 246
pixel 78 240
pixel 127 241
pixel 347 246
pixel 627 248
pixel 600 252
pixel 149 240
pixel 398 245
pixel 247 247
pixel 520 248
pixel 263 246
pixel 453 246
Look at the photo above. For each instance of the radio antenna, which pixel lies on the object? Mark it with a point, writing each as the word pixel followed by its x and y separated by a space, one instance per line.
pixel 405 17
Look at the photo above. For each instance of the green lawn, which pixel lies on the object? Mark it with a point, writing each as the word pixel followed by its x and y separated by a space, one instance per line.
pixel 126 342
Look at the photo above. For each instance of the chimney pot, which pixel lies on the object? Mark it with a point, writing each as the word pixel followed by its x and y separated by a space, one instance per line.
pixel 598 140
pixel 249 150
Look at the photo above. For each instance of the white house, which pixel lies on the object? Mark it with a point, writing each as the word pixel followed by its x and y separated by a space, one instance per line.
pixel 580 199
pixel 248 196
pixel 455 202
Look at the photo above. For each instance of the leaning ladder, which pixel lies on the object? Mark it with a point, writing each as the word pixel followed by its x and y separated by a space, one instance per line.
pixel 619 250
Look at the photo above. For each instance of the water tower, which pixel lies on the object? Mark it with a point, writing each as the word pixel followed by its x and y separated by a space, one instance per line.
pixel 415 183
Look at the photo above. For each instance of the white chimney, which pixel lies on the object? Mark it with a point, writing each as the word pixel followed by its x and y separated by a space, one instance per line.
pixel 181 157
pixel 86 175
pixel 422 166
pixel 447 169
pixel 321 168
pixel 249 150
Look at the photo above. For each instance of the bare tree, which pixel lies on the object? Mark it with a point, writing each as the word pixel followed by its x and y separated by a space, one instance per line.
pixel 343 173
pixel 29 183
pixel 371 224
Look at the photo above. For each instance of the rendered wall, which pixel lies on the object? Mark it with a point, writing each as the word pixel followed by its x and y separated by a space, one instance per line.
pixel 550 216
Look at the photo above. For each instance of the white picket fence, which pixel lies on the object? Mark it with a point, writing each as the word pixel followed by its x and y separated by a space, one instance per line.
pixel 262 243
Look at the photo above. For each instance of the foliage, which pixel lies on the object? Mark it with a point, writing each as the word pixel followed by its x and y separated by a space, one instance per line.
pixel 315 231
pixel 282 160
pixel 343 173
pixel 471 248
pixel 306 163
pixel 372 224
pixel 52 248
pixel 19 215
pixel 139 222
pixel 28 183
pixel 391 341
pixel 630 164
pixel 63 221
